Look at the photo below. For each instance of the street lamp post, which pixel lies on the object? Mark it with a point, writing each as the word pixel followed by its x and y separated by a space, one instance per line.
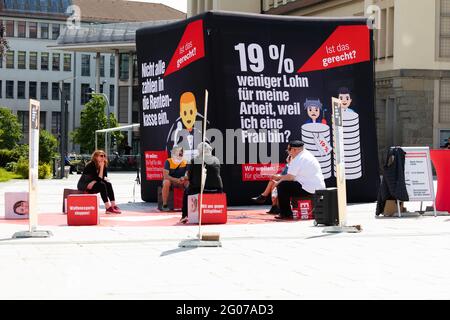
pixel 63 143
pixel 64 126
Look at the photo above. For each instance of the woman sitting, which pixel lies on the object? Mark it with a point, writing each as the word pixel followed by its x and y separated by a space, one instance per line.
pixel 95 179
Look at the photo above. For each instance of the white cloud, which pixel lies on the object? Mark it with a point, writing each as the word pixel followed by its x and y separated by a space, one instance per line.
pixel 177 4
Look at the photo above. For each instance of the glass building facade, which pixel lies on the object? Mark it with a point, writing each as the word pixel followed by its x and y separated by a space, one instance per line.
pixel 40 6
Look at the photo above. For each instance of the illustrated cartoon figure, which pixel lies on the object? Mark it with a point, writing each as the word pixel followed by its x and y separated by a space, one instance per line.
pixel 21 207
pixel 313 108
pixel 316 136
pixel 351 135
pixel 346 100
pixel 187 133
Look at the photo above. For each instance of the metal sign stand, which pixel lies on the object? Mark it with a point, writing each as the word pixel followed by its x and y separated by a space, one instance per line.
pixel 205 239
pixel 338 131
pixel 412 198
pixel 33 176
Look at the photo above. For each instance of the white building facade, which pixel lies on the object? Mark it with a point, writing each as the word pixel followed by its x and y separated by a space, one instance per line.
pixel 30 70
pixel 34 67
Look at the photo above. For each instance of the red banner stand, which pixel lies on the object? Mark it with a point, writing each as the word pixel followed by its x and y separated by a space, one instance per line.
pixel 441 162
pixel 82 210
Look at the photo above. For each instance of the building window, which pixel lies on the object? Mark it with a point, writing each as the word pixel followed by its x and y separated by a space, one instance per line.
pixel 55 91
pixel 444 26
pixel 33 61
pixel 122 108
pixel 9 28
pixel 20 89
pixel 384 35
pixel 135 68
pixel 32 30
pixel 84 93
pixel 112 66
pixel 102 66
pixel 33 90
pixel 67 62
pixel 9 89
pixel 85 65
pixel 21 60
pixel 67 91
pixel 55 31
pixel 44 90
pixel 390 34
pixel 44 60
pixel 22 117
pixel 56 122
pixel 101 88
pixel 21 29
pixel 10 59
pixel 124 70
pixel 43 118
pixel 111 95
pixel 44 30
pixel 1 89
pixel 444 101
pixel 55 61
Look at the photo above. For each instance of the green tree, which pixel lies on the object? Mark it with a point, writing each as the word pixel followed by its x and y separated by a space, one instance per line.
pixel 47 146
pixel 3 43
pixel 10 133
pixel 93 118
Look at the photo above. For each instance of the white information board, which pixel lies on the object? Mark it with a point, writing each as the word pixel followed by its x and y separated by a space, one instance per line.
pixel 338 139
pixel 418 174
pixel 35 107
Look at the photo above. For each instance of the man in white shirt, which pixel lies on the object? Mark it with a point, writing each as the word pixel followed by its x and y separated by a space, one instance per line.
pixel 304 177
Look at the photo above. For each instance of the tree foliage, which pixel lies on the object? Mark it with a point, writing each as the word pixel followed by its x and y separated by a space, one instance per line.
pixel 3 43
pixel 10 133
pixel 48 146
pixel 93 118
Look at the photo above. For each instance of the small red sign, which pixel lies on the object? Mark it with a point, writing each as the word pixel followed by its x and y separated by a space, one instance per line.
pixel 82 210
pixel 304 210
pixel 154 164
pixel 178 198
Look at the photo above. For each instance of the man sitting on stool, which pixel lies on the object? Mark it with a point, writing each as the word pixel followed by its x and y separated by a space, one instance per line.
pixel 174 174
pixel 304 177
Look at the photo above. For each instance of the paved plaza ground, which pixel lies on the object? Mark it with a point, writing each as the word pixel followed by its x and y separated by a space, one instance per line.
pixel 392 258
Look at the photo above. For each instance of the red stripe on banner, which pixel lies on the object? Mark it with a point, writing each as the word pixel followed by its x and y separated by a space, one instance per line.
pixel 190 48
pixel 347 45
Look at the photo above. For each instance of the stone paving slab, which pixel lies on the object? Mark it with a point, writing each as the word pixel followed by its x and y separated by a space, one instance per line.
pixel 392 258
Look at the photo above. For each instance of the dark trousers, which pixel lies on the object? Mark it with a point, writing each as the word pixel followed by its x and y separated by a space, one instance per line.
pixel 286 190
pixel 191 191
pixel 105 189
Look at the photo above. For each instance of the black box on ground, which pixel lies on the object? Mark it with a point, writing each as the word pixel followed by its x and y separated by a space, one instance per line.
pixel 326 207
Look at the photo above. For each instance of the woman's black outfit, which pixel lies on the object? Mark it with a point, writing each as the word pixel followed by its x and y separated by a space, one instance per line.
pixel 102 186
pixel 213 183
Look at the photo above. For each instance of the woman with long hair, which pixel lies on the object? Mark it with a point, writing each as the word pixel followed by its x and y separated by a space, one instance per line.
pixel 95 180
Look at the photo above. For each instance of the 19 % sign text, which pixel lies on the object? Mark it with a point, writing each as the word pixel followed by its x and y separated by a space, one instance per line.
pixel 252 57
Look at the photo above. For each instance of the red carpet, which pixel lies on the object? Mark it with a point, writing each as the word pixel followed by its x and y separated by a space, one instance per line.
pixel 154 218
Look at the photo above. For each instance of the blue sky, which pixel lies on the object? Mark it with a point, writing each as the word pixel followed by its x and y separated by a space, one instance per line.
pixel 177 4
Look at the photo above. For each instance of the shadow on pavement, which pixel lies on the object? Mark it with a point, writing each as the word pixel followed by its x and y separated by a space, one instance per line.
pixel 174 251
